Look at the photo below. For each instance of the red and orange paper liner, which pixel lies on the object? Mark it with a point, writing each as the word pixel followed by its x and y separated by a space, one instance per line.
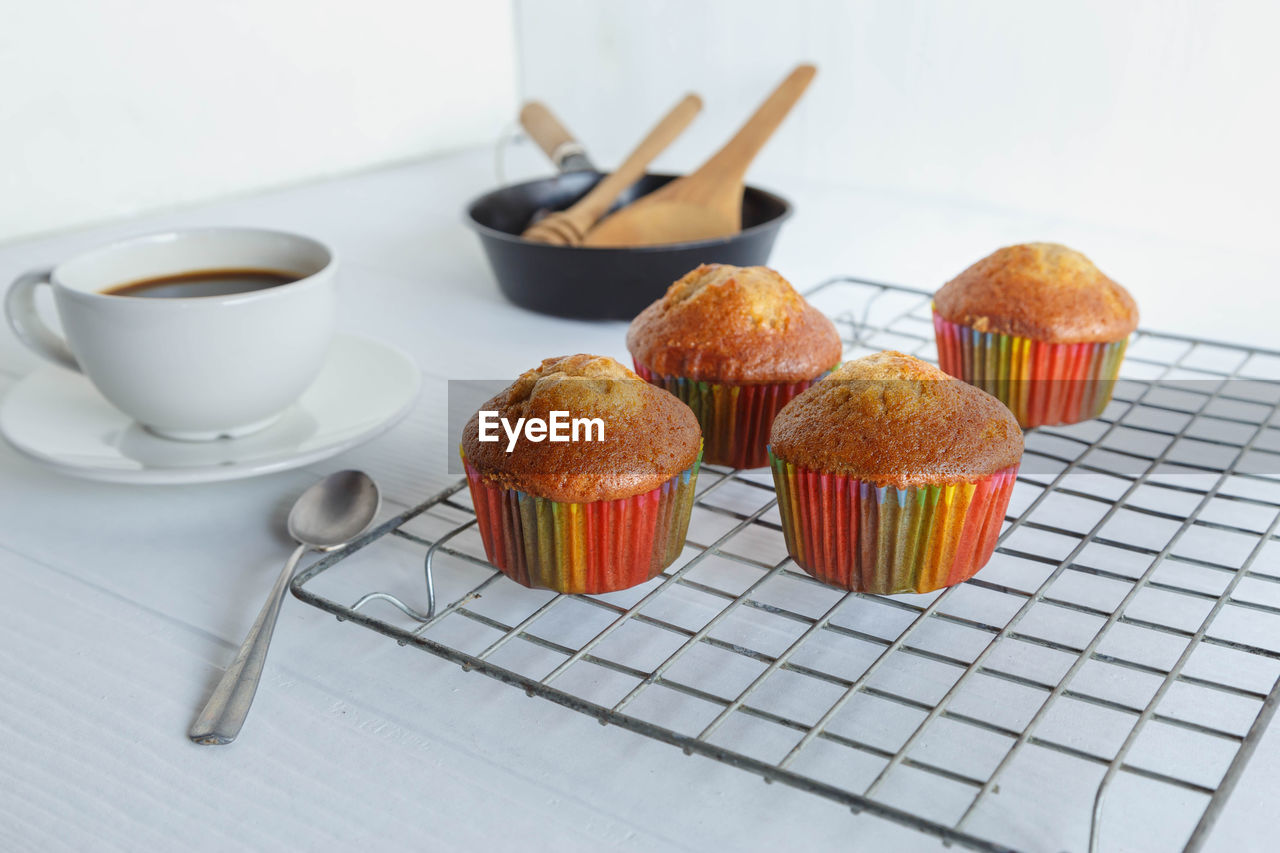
pixel 735 419
pixel 880 539
pixel 591 548
pixel 1043 384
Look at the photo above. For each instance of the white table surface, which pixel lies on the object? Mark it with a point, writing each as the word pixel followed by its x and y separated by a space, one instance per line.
pixel 121 604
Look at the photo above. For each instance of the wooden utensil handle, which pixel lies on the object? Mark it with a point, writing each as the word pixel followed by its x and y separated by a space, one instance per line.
pixel 730 162
pixel 593 205
pixel 546 130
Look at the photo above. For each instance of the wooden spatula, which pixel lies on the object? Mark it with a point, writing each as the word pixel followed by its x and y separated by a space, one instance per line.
pixel 707 203
pixel 568 227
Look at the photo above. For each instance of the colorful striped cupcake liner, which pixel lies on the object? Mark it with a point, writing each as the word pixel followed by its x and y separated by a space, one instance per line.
pixel 1043 384
pixel 880 539
pixel 735 419
pixel 595 547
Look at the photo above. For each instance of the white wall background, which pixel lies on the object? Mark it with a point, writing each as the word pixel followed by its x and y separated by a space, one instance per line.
pixel 1152 115
pixel 1155 116
pixel 112 107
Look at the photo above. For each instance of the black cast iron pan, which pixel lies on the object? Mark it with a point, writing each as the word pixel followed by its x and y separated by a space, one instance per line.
pixel 604 283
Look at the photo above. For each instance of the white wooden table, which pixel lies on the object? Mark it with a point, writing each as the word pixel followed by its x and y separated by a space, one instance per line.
pixel 121 604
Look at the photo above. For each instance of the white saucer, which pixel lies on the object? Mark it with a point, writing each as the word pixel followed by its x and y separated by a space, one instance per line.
pixel 58 418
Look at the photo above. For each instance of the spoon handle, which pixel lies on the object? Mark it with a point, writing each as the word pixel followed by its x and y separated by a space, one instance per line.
pixel 227 708
pixel 731 162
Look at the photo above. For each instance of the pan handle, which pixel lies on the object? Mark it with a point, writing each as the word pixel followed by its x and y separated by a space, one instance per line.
pixel 553 138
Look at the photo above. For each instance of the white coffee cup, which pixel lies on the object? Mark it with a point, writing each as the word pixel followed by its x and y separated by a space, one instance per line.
pixel 191 368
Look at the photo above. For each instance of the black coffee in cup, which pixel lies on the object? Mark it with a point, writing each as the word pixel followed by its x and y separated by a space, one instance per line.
pixel 203 283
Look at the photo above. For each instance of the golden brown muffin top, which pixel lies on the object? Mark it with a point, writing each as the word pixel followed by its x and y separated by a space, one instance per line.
pixel 892 419
pixel 649 435
pixel 1039 290
pixel 722 323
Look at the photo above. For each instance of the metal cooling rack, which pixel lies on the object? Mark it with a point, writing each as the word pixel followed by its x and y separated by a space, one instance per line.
pixel 1107 675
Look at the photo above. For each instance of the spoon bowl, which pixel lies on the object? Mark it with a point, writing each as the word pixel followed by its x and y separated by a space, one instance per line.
pixel 335 510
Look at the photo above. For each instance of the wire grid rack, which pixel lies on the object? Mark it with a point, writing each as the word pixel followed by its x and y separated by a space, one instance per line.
pixel 1120 650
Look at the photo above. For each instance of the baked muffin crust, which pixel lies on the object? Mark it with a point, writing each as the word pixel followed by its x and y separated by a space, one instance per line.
pixel 722 323
pixel 1039 290
pixel 895 420
pixel 649 435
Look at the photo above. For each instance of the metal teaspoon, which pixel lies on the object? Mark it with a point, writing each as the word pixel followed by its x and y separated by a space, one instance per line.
pixel 326 516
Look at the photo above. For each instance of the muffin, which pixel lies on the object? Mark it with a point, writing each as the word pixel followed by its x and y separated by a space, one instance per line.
pixel 604 510
pixel 892 476
pixel 1039 327
pixel 735 344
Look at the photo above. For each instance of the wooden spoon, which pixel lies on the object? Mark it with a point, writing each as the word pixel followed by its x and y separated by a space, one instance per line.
pixel 706 204
pixel 568 227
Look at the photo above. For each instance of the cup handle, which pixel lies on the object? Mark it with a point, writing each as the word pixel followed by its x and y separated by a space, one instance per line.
pixel 20 309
